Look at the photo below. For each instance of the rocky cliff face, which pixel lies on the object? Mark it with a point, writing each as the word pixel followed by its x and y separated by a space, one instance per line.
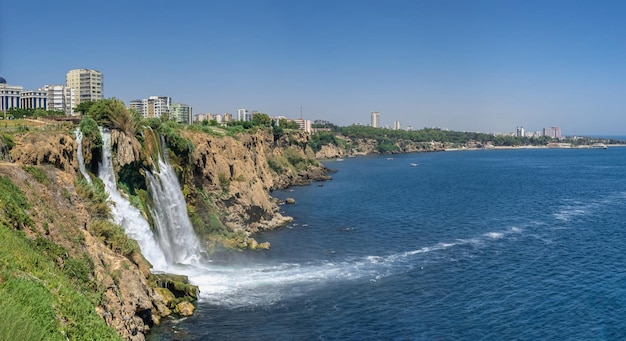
pixel 128 304
pixel 236 171
pixel 233 171
pixel 46 148
pixel 365 146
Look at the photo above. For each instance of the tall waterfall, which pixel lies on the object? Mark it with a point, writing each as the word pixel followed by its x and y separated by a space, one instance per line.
pixel 125 214
pixel 176 235
pixel 81 159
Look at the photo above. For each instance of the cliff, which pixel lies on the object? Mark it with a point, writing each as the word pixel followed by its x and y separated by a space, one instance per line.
pixel 226 179
pixel 238 172
pixel 57 223
pixel 340 146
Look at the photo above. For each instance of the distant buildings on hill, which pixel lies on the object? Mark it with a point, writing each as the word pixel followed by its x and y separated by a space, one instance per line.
pixel 157 106
pixel 553 132
pixel 80 85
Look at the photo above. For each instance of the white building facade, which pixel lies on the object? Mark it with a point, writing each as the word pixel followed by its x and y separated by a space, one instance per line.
pixel 375 119
pixel 34 99
pixel 60 98
pixel 153 106
pixel 10 96
pixel 181 113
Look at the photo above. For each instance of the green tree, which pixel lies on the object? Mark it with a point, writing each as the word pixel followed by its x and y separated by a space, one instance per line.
pixel 285 124
pixel 83 107
pixel 262 120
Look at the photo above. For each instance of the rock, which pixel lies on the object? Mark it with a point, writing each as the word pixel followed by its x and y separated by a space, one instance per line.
pixel 290 201
pixel 178 285
pixel 185 308
pixel 168 297
pixel 252 244
pixel 58 150
pixel 264 246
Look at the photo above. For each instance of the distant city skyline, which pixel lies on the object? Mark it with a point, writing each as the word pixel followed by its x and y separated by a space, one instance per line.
pixel 485 66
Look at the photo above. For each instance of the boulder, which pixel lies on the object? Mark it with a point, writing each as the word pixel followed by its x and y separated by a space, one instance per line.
pixel 290 201
pixel 185 308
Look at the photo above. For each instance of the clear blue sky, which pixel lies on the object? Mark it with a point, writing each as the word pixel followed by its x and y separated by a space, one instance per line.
pixel 468 65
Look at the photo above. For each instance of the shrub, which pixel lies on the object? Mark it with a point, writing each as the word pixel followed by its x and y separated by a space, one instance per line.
pixel 89 128
pixel 114 237
pixel 224 181
pixel 275 166
pixel 37 173
pixel 14 204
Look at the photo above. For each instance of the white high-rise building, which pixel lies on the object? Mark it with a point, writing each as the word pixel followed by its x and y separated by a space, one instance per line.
pixel 181 113
pixel 242 115
pixel 88 84
pixel 375 119
pixel 137 105
pixel 61 98
pixel 304 124
pixel 396 125
pixel 153 106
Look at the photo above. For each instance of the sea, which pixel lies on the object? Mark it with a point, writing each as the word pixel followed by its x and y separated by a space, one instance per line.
pixel 523 244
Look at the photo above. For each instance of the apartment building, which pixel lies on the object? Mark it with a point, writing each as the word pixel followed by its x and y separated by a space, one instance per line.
pixel 88 84
pixel 61 98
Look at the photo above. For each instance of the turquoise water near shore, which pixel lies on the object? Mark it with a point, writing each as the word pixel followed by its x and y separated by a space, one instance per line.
pixel 491 245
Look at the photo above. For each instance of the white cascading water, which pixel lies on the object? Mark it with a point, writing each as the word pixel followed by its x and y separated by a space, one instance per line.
pixel 178 250
pixel 81 159
pixel 176 234
pixel 125 214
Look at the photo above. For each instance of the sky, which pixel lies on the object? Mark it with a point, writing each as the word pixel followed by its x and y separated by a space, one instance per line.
pixel 467 65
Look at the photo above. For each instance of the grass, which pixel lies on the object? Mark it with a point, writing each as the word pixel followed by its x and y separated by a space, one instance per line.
pixel 40 300
pixel 37 173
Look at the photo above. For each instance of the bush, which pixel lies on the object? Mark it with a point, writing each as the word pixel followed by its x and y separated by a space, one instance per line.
pixel 91 132
pixel 37 173
pixel 114 237
pixel 275 166
pixel 224 181
pixel 95 196
pixel 14 204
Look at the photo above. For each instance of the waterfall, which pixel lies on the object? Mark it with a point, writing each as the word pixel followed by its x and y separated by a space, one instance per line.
pixel 125 214
pixel 176 234
pixel 81 159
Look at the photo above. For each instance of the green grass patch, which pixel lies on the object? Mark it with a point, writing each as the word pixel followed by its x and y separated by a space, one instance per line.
pixel 37 173
pixel 114 237
pixel 13 205
pixel 40 300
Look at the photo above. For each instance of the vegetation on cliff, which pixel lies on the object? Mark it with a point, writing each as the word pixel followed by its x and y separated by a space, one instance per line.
pixel 68 272
pixel 47 287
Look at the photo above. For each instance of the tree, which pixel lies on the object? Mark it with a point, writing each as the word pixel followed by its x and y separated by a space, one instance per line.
pixel 285 124
pixel 84 107
pixel 262 120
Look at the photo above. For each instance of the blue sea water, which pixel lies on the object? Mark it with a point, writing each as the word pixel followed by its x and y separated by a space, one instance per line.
pixel 475 245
